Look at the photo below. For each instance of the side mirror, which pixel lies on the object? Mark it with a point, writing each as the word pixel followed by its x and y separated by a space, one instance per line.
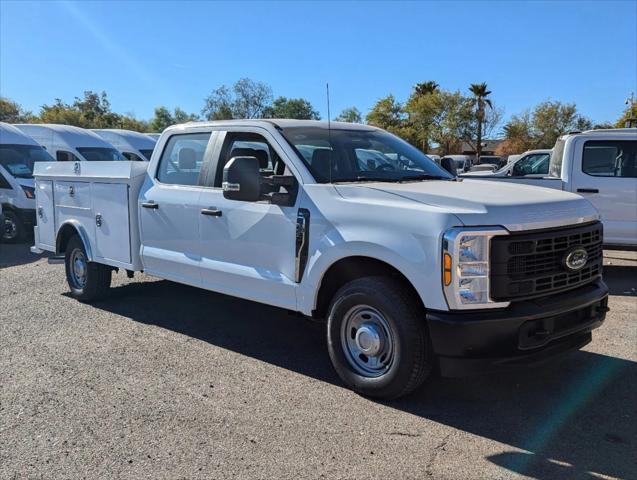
pixel 242 180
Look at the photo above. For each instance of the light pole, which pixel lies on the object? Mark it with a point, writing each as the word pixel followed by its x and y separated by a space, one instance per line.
pixel 630 121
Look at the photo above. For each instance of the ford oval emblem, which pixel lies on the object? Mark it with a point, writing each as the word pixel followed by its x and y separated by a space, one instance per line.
pixel 575 259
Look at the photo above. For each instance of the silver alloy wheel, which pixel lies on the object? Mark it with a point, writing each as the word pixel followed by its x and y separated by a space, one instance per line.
pixel 78 268
pixel 367 340
pixel 9 229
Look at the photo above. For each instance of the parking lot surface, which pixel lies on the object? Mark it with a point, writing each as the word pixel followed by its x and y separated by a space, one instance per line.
pixel 162 380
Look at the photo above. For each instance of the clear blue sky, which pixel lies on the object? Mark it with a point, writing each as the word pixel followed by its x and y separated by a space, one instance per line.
pixel 145 54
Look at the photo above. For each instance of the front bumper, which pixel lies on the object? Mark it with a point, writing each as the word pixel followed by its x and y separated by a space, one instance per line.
pixel 26 216
pixel 525 333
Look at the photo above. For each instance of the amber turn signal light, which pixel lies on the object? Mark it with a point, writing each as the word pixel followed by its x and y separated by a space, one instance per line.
pixel 446 262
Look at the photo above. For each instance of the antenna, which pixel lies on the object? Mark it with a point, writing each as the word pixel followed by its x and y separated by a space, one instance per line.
pixel 329 129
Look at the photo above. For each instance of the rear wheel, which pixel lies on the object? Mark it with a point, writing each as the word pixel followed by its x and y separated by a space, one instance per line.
pixel 377 338
pixel 88 281
pixel 12 228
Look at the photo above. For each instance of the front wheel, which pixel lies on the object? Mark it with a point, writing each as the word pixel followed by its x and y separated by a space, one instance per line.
pixel 88 281
pixel 12 228
pixel 378 339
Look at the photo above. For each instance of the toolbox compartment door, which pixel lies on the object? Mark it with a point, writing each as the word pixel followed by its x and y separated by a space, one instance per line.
pixel 112 221
pixel 45 215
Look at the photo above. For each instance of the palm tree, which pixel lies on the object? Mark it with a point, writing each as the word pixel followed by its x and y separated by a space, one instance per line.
pixel 425 88
pixel 480 100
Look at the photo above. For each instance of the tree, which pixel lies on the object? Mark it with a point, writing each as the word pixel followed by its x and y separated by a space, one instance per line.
pixel 297 108
pixel 12 112
pixel 387 114
pixel 248 99
pixel 164 119
pixel 552 119
pixel 350 115
pixel 425 88
pixel 629 114
pixel 542 127
pixel 480 101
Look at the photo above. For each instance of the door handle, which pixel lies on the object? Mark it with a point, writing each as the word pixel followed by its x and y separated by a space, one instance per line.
pixel 587 190
pixel 212 212
pixel 150 204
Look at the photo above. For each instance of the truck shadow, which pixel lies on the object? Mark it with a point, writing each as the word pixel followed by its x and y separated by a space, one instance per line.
pixel 621 279
pixel 14 254
pixel 572 418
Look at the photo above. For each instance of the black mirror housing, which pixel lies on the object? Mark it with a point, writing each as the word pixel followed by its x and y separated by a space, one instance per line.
pixel 242 180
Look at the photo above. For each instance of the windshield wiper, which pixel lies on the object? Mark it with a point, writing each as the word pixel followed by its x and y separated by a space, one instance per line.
pixel 366 179
pixel 424 177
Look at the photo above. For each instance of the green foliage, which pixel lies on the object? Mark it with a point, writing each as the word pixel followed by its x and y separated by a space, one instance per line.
pixel 164 119
pixel 12 112
pixel 542 127
pixel 297 108
pixel 247 99
pixel 629 114
pixel 350 115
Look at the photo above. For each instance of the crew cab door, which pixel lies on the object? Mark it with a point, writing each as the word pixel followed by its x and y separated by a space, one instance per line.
pixel 605 172
pixel 169 209
pixel 248 248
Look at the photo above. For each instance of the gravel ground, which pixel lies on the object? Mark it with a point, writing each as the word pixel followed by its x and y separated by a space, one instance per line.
pixel 167 381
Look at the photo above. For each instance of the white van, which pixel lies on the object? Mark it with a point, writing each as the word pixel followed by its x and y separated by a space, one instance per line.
pixel 134 146
pixel 18 153
pixel 66 143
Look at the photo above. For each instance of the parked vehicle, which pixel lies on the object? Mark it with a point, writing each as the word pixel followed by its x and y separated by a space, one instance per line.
pixel 481 169
pixel 412 268
pixel 66 143
pixel 18 154
pixel 601 165
pixel 133 146
pixel 496 161
pixel 462 162
pixel 534 163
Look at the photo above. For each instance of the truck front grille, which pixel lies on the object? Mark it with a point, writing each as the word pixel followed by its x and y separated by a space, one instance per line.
pixel 529 265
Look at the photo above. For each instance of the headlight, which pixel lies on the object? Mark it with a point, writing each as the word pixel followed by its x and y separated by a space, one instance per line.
pixel 28 191
pixel 465 262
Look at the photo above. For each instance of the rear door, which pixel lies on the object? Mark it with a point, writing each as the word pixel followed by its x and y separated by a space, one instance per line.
pixel 605 172
pixel 248 248
pixel 169 209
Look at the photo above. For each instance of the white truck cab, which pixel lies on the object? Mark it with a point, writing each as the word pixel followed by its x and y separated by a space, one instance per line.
pixel 18 154
pixel 66 143
pixel 530 164
pixel 600 165
pixel 132 145
pixel 412 268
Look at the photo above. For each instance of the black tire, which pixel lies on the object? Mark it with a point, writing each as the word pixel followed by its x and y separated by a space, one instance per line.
pixel 12 228
pixel 97 278
pixel 411 351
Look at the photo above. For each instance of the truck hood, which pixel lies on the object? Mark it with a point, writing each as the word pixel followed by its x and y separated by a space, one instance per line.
pixel 485 203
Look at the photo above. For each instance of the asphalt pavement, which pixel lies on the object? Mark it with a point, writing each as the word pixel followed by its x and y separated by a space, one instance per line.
pixel 166 381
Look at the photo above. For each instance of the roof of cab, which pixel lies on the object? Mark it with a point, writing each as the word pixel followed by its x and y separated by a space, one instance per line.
pixel 12 135
pixel 74 136
pixel 279 122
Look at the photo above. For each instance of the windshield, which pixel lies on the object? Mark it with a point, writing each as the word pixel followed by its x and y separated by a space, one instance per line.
pixel 100 154
pixel 147 153
pixel 18 160
pixel 358 156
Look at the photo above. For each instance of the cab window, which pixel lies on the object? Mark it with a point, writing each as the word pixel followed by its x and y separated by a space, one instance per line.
pixel 64 156
pixel 250 145
pixel 536 164
pixel 610 158
pixel 182 158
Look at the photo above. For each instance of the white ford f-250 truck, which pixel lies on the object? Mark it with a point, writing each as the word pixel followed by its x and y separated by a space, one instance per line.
pixel 412 268
pixel 600 165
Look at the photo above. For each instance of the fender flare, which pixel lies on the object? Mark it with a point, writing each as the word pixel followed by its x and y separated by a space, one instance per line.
pixel 81 232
